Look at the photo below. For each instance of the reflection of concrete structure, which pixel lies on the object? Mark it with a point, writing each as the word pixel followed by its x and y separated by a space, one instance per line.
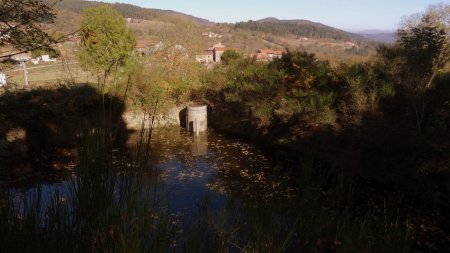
pixel 200 144
pixel 197 118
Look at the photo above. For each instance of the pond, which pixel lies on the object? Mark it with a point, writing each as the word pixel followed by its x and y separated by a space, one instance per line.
pixel 211 165
pixel 197 193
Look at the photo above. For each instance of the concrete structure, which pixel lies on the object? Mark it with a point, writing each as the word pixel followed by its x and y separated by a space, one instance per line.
pixel 197 118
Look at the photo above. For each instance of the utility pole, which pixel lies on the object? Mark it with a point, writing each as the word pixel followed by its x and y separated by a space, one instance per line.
pixel 22 59
pixel 25 72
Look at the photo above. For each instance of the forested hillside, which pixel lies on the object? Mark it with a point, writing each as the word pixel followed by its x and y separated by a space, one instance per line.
pixel 301 28
pixel 127 10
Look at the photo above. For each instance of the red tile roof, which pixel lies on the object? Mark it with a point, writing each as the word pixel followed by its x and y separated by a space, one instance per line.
pixel 279 52
pixel 266 51
pixel 207 52
pixel 261 56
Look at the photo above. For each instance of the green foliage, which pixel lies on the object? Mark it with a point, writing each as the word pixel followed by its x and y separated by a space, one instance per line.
pixel 53 53
pixel 422 50
pixel 127 10
pixel 320 107
pixel 296 87
pixel 304 72
pixel 20 24
pixel 230 55
pixel 106 42
pixel 363 86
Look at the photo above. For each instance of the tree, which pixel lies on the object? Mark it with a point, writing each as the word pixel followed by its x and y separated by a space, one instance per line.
pixel 230 55
pixel 53 53
pixel 421 51
pixel 106 42
pixel 21 25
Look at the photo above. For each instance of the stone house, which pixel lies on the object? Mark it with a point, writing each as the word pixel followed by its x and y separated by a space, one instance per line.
pixel 212 54
pixel 205 57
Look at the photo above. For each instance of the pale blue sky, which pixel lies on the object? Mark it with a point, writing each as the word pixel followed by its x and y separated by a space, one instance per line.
pixel 343 14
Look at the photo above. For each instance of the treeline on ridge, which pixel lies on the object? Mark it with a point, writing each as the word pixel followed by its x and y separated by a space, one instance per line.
pixel 309 30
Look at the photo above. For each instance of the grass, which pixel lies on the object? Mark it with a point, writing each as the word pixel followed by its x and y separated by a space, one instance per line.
pixel 38 74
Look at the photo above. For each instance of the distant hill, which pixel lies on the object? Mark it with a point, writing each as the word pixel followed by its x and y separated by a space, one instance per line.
pixel 128 10
pixel 299 28
pixel 388 37
pixel 154 25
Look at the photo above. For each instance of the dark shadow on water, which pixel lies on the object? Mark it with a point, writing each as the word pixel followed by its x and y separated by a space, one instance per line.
pixel 39 128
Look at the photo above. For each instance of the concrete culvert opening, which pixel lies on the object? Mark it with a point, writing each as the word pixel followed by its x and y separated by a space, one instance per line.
pixel 197 118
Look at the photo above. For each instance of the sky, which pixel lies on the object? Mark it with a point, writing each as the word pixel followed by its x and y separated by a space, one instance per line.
pixel 350 15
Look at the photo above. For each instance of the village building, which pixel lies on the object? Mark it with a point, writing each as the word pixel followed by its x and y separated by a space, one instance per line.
pixel 205 57
pixel 212 35
pixel 218 52
pixel 260 57
pixel 142 47
pixel 212 54
pixel 268 55
pixel 45 58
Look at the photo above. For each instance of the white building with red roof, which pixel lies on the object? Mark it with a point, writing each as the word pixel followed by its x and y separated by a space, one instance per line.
pixel 268 54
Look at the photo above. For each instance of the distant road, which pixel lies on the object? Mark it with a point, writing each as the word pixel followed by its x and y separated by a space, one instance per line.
pixel 40 67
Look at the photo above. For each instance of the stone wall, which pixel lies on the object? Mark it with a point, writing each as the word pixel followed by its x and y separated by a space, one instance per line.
pixel 173 117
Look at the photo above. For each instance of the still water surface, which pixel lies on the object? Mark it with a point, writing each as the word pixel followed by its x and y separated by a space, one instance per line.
pixel 189 170
pixel 215 167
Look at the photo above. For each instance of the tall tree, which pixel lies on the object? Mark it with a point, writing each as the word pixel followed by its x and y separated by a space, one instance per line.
pixel 421 51
pixel 106 42
pixel 21 25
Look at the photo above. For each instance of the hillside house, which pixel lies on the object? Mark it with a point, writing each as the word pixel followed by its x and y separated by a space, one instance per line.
pixel 218 52
pixel 268 54
pixel 45 58
pixel 212 35
pixel 215 52
pixel 205 57
pixel 143 47
pixel 260 57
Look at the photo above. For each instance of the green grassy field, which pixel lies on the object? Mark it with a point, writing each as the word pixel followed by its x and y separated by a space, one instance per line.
pixel 50 73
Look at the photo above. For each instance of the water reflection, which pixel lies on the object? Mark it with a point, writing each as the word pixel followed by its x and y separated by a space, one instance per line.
pixel 200 144
pixel 211 193
pixel 210 164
